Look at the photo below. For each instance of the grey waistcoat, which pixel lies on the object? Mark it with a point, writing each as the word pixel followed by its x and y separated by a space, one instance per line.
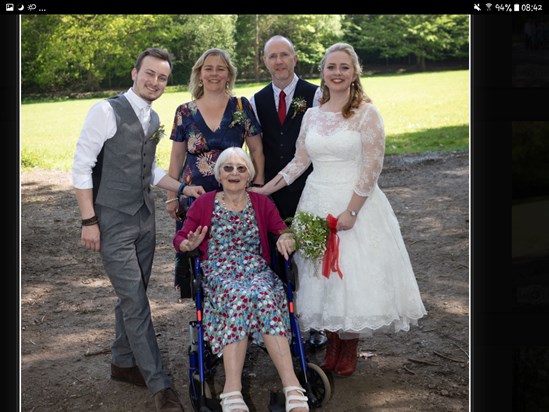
pixel 122 175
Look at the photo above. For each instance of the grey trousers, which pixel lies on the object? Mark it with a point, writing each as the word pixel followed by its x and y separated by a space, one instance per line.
pixel 127 250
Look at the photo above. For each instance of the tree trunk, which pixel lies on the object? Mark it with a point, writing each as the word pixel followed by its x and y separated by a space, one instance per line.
pixel 257 57
pixel 420 62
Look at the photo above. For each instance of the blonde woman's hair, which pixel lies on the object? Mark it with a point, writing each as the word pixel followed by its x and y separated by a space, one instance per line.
pixel 195 85
pixel 234 152
pixel 357 94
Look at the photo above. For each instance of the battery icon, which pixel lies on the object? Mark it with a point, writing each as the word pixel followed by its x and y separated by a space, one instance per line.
pixel 517 7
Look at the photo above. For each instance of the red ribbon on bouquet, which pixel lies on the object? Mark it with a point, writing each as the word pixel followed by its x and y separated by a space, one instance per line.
pixel 331 258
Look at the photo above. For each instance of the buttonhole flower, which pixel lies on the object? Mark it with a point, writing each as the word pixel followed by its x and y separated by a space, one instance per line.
pixel 238 118
pixel 159 134
pixel 299 104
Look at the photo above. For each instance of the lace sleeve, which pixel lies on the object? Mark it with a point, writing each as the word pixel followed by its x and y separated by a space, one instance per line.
pixel 301 160
pixel 373 149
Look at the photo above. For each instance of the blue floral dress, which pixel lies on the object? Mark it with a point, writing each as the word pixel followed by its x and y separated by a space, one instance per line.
pixel 242 295
pixel 205 145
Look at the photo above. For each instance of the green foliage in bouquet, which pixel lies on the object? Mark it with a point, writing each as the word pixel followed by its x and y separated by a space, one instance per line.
pixel 311 233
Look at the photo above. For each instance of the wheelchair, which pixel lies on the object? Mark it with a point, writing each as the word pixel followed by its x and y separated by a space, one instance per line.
pixel 203 363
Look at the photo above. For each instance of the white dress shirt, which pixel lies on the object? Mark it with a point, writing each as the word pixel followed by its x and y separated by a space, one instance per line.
pixel 99 126
pixel 289 90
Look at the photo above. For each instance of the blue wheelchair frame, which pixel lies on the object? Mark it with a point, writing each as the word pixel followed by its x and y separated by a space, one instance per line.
pixel 202 362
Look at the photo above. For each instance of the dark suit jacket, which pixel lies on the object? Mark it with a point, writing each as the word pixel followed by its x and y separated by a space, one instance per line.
pixel 279 142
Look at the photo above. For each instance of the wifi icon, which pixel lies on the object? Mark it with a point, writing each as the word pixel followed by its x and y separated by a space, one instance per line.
pixel 488 5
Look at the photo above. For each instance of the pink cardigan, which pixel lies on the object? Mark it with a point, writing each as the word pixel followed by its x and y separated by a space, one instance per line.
pixel 201 211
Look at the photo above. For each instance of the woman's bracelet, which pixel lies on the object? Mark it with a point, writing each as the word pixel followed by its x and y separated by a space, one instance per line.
pixel 175 199
pixel 91 221
pixel 180 190
pixel 257 185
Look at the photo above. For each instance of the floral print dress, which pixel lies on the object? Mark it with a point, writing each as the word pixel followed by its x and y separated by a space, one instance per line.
pixel 204 145
pixel 242 295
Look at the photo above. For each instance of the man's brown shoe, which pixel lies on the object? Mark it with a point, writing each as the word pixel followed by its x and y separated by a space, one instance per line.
pixel 130 375
pixel 166 400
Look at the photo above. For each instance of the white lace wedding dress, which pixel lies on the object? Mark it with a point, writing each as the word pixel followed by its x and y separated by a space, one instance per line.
pixel 378 289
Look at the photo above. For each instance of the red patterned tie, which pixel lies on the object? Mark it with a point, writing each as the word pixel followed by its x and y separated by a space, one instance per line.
pixel 282 107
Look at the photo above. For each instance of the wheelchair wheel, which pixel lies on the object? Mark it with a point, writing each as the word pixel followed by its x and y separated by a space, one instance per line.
pixel 321 385
pixel 194 393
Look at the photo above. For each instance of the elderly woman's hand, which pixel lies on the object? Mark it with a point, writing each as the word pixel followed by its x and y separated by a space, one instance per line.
pixel 286 244
pixel 193 239
pixel 193 191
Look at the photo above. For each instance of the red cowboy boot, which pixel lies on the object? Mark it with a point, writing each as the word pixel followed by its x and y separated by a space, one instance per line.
pixel 332 351
pixel 346 363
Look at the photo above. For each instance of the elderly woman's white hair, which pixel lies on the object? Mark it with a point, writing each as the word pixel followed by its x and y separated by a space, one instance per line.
pixel 234 153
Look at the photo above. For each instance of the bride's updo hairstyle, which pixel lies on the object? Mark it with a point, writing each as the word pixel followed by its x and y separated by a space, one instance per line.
pixel 357 94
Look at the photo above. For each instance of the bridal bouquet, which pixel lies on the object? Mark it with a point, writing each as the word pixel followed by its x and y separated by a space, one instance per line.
pixel 310 233
pixel 316 238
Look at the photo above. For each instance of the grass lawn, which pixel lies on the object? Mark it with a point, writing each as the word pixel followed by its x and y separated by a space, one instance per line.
pixel 421 111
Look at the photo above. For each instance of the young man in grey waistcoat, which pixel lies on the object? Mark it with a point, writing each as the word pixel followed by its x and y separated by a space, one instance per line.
pixel 113 170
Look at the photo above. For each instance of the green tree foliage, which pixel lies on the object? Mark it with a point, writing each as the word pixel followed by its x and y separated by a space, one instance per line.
pixel 310 34
pixel 248 46
pixel 423 37
pixel 77 53
pixel 192 35
pixel 84 52
pixel 36 32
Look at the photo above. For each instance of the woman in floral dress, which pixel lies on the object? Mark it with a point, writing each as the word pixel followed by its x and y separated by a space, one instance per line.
pixel 205 126
pixel 242 295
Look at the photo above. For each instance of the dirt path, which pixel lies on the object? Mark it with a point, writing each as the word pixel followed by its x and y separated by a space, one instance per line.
pixel 67 305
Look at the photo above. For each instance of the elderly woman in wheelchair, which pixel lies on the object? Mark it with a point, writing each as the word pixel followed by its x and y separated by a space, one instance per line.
pixel 242 294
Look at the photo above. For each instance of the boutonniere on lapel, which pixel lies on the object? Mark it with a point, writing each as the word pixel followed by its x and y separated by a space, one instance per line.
pixel 238 118
pixel 159 134
pixel 299 104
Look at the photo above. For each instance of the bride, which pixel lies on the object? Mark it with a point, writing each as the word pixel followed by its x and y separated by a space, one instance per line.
pixel 344 138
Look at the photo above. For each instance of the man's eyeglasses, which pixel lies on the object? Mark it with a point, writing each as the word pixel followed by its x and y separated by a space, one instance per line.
pixel 239 169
